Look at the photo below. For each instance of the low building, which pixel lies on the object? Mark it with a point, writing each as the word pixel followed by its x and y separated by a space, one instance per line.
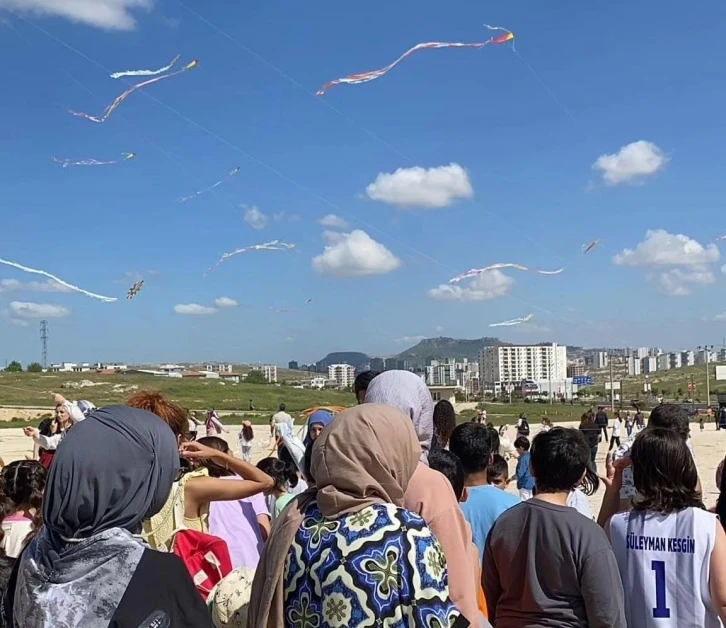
pixel 443 392
pixel 218 368
pixel 269 371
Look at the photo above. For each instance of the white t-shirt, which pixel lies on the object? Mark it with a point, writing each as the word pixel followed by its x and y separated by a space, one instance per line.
pixel 281 417
pixel 664 563
pixel 617 424
pixel 579 501
pixel 16 529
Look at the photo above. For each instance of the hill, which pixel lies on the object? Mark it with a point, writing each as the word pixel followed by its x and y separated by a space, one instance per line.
pixel 438 348
pixel 354 358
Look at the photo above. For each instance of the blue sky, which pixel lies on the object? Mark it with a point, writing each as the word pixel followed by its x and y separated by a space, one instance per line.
pixel 636 82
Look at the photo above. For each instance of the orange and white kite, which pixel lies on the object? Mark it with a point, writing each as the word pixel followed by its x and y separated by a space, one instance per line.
pixel 365 77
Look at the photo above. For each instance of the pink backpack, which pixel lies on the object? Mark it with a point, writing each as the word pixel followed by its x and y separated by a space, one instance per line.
pixel 206 557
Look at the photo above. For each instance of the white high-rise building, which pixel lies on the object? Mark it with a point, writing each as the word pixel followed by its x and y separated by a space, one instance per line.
pixel 642 352
pixel 601 360
pixel 664 361
pixel 649 365
pixel 520 363
pixel 688 358
pixel 634 365
pixel 342 374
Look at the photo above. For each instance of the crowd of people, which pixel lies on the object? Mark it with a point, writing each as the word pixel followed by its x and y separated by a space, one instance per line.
pixel 384 514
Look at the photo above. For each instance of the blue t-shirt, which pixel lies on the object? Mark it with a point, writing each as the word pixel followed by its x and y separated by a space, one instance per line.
pixel 482 508
pixel 524 477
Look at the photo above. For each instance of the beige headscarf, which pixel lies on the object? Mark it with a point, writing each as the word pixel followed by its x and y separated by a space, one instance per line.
pixel 366 456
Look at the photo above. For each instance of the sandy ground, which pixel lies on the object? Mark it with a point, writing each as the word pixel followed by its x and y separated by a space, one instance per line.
pixel 709 447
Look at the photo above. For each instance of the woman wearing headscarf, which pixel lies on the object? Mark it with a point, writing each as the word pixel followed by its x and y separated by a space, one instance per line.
pixel 347 553
pixel 86 567
pixel 317 422
pixel 429 493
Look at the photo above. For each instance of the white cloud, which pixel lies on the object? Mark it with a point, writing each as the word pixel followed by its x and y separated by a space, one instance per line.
pixel 661 248
pixel 255 218
pixel 194 309
pixel 225 302
pixel 680 283
pixel 485 287
pixel 430 188
pixel 439 328
pixel 720 317
pixel 410 340
pixel 13 285
pixel 354 254
pixel 107 14
pixel 632 163
pixel 331 221
pixel 22 310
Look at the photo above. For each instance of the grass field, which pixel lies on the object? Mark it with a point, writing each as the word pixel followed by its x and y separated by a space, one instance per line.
pixel 672 384
pixel 35 390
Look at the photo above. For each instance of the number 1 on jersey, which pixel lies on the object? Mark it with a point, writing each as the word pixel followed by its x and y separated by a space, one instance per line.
pixel 661 611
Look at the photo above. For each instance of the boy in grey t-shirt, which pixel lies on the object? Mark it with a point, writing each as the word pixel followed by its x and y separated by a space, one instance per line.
pixel 545 564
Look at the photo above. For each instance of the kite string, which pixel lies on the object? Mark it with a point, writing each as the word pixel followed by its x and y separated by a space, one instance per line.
pixel 286 178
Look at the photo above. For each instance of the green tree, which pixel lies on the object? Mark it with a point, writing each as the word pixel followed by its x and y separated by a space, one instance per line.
pixel 35 367
pixel 255 377
pixel 14 367
pixel 679 392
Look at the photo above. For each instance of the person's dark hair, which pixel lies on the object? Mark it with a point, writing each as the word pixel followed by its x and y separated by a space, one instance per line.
pixel 522 442
pixel 472 443
pixel 155 402
pixel 444 421
pixel 672 417
pixel 591 482
pixel 587 418
pixel 497 468
pixel 22 482
pixel 219 444
pixel 282 407
pixel 363 380
pixel 450 466
pixel 490 425
pixel 559 458
pixel 721 503
pixel 282 472
pixel 248 432
pixel 44 426
pixel 284 455
pixel 494 435
pixel 307 463
pixel 664 472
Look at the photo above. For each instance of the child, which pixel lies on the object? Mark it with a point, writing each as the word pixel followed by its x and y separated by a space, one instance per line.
pixel 472 444
pixel 545 564
pixel 246 436
pixel 629 424
pixel 450 467
pixel 670 551
pixel 546 425
pixel 21 493
pixel 498 472
pixel 285 476
pixel 525 481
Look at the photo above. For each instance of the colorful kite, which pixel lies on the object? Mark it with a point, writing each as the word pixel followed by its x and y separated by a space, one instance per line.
pixel 166 68
pixel 275 245
pixel 586 248
pixel 33 271
pixel 514 321
pixel 135 289
pixel 478 271
pixel 209 189
pixel 364 77
pixel 117 103
pixel 94 162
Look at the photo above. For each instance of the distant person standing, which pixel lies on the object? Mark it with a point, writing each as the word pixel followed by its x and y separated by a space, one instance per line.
pixel 639 419
pixel 194 424
pixel 522 426
pixel 601 418
pixel 628 424
pixel 279 418
pixel 591 431
pixel 213 424
pixel 617 427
